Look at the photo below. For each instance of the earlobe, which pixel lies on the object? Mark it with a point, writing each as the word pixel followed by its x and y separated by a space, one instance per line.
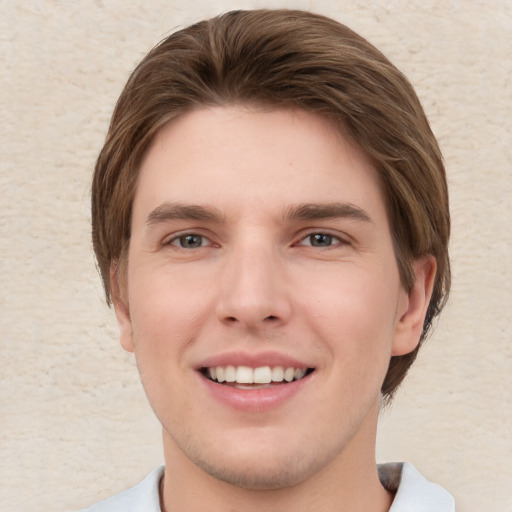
pixel 120 302
pixel 413 307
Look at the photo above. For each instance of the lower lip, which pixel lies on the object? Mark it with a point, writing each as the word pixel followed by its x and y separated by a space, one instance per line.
pixel 255 400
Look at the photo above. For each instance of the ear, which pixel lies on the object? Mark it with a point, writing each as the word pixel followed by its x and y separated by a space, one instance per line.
pixel 120 302
pixel 413 307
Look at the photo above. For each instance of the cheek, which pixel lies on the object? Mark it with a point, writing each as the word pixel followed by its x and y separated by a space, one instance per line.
pixel 166 312
pixel 354 311
pixel 166 320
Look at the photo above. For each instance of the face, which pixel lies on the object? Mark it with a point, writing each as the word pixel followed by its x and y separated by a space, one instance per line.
pixel 263 299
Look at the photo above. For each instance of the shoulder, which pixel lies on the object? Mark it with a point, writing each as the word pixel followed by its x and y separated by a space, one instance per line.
pixel 414 491
pixel 142 497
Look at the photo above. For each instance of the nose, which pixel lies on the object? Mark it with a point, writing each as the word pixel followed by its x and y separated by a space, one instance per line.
pixel 254 292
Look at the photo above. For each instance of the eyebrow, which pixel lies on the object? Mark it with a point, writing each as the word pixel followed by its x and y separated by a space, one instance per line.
pixel 307 211
pixel 178 211
pixel 314 211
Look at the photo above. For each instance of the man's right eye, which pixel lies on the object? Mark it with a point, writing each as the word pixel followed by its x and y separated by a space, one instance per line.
pixel 189 241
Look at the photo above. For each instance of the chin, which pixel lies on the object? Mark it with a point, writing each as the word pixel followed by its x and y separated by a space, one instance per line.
pixel 260 469
pixel 257 476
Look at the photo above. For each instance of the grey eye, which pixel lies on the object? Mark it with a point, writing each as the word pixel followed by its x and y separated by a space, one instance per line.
pixel 189 241
pixel 320 240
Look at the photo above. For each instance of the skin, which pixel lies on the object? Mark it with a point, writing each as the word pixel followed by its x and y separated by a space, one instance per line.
pixel 261 281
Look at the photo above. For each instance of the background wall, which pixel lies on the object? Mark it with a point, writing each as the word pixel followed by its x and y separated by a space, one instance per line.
pixel 74 424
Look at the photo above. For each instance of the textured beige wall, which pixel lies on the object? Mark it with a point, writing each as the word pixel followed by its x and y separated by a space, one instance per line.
pixel 74 424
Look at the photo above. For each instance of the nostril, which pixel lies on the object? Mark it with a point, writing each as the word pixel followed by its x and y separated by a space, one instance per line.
pixel 271 317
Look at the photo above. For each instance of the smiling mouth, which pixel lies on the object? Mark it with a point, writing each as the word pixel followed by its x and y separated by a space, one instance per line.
pixel 245 377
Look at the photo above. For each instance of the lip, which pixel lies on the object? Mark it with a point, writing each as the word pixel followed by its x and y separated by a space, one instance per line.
pixel 253 360
pixel 253 400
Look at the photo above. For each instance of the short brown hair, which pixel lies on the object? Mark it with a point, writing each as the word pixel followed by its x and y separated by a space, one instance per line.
pixel 284 58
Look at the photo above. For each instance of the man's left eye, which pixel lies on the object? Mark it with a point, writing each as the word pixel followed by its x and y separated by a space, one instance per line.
pixel 190 241
pixel 320 240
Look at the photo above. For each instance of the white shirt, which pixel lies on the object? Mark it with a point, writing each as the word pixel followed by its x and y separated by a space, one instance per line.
pixel 414 493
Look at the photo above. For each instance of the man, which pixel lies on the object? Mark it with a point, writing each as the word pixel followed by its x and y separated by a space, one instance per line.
pixel 270 219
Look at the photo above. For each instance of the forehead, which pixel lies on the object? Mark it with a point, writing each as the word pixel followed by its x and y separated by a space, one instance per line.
pixel 236 157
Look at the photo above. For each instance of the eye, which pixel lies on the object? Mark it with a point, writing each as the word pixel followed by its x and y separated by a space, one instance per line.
pixel 320 240
pixel 189 241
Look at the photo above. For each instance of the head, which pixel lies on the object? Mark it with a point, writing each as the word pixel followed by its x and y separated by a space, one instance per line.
pixel 274 59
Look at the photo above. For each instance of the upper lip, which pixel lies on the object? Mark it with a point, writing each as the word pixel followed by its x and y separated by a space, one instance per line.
pixel 252 360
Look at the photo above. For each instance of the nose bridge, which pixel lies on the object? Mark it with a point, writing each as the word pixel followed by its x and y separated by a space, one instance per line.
pixel 253 286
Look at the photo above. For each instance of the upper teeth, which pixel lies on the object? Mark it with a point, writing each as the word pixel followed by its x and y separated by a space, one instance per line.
pixel 260 375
